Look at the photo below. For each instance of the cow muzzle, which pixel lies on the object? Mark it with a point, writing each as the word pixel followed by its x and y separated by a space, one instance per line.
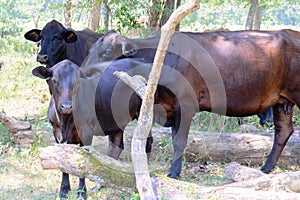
pixel 42 58
pixel 66 109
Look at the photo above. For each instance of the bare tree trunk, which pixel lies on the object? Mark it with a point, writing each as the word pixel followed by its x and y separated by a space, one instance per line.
pixel 257 18
pixel 94 15
pixel 105 9
pixel 158 18
pixel 145 119
pixel 254 15
pixel 154 14
pixel 169 6
pixel 178 3
pixel 68 13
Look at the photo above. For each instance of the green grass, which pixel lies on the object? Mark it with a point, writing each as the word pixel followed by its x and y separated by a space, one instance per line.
pixel 22 94
pixel 5 136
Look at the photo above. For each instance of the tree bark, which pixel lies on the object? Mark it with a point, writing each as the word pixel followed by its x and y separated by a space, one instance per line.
pixel 145 119
pixel 13 125
pixel 86 162
pixel 106 11
pixel 157 18
pixel 168 8
pixel 254 15
pixel 251 14
pixel 94 15
pixel 178 3
pixel 154 14
pixel 68 13
pixel 257 17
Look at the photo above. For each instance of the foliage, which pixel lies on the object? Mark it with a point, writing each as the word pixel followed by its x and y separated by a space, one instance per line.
pixel 123 15
pixel 233 14
pixel 5 136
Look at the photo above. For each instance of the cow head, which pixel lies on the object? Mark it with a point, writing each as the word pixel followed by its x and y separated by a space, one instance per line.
pixel 61 79
pixel 110 46
pixel 53 39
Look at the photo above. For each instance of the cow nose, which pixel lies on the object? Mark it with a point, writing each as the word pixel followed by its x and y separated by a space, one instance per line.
pixel 66 109
pixel 42 58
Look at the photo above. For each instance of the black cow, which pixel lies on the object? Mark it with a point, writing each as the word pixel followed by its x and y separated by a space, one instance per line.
pixel 238 73
pixel 58 43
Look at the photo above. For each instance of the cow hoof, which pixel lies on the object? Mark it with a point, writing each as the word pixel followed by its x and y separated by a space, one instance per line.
pixel 63 195
pixel 171 175
pixel 265 170
pixel 81 195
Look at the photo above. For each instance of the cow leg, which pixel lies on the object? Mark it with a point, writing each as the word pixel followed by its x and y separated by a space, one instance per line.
pixel 81 190
pixel 116 145
pixel 149 145
pixel 180 131
pixel 283 130
pixel 266 116
pixel 65 186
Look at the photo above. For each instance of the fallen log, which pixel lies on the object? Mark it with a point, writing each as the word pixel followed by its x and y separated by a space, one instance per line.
pixel 247 177
pixel 86 162
pixel 245 148
pixel 13 125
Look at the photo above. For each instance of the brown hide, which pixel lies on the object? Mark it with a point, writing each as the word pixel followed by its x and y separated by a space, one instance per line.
pixel 246 70
pixel 237 73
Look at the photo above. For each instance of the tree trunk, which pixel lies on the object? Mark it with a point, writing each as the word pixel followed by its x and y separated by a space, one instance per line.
pixel 145 120
pixel 13 125
pixel 157 18
pixel 86 162
pixel 257 18
pixel 254 15
pixel 94 15
pixel 178 3
pixel 251 14
pixel 154 14
pixel 105 9
pixel 68 13
pixel 168 8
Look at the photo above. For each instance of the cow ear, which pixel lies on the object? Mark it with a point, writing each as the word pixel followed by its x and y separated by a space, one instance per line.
pixel 42 72
pixel 129 49
pixel 70 36
pixel 33 35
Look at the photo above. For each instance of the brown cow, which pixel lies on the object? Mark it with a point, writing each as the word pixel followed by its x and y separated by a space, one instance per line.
pixel 239 73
